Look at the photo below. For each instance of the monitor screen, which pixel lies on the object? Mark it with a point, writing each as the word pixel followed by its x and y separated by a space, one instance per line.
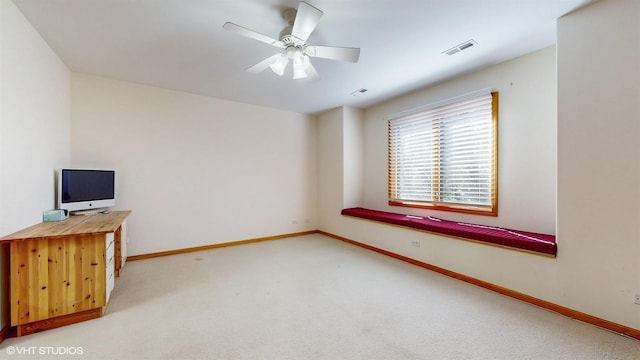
pixel 87 185
pixel 86 189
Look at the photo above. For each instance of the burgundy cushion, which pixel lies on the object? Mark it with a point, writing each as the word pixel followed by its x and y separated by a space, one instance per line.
pixel 542 243
pixel 398 219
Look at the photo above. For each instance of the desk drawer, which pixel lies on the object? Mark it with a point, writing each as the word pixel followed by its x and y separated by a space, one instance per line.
pixel 111 282
pixel 110 264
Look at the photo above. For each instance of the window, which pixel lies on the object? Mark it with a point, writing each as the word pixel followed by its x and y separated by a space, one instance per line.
pixel 444 157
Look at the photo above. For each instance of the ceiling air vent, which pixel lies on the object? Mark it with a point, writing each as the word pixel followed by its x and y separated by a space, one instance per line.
pixel 456 49
pixel 359 92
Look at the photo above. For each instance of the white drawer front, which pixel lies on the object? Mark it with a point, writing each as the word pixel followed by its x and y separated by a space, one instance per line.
pixel 109 239
pixel 110 256
pixel 110 263
pixel 123 243
pixel 111 282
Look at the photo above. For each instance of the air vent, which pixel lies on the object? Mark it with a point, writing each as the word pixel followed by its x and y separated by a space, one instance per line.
pixel 359 92
pixel 452 51
pixel 456 49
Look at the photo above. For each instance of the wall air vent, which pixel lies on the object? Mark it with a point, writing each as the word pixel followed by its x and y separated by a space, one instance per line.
pixel 456 49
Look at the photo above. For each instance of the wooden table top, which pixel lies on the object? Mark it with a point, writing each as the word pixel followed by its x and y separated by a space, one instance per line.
pixel 75 224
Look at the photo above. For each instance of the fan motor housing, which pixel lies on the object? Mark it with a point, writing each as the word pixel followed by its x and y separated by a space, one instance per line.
pixel 285 35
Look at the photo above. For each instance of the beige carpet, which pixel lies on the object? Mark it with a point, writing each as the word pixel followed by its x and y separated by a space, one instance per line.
pixel 313 297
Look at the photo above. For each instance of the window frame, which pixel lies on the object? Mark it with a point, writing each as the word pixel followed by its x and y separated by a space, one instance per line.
pixel 487 210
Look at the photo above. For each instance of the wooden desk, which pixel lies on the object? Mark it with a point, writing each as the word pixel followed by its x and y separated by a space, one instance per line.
pixel 63 272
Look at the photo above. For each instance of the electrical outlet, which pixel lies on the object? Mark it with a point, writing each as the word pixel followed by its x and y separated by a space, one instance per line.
pixel 415 243
pixel 636 299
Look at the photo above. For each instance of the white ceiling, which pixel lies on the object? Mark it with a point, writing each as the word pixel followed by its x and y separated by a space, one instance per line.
pixel 181 45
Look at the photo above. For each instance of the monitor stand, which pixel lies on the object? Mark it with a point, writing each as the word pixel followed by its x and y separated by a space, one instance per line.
pixel 89 212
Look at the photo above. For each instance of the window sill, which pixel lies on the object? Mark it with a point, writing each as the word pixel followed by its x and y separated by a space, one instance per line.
pixel 541 244
pixel 475 210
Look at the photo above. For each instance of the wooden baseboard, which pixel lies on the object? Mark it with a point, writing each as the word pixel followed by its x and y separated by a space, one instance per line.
pixel 7 332
pixel 58 321
pixel 215 246
pixel 574 314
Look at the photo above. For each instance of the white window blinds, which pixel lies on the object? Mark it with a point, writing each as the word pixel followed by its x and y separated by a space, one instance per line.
pixel 445 155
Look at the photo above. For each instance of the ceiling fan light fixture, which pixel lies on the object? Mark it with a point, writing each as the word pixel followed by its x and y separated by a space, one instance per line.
pixel 293 43
pixel 280 64
pixel 299 73
pixel 300 65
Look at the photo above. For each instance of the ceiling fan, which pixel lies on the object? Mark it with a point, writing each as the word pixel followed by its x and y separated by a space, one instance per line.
pixel 293 44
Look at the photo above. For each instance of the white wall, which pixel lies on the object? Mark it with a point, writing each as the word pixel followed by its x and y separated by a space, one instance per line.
pixel 597 268
pixel 598 159
pixel 195 170
pixel 526 159
pixel 330 166
pixel 340 162
pixel 34 128
pixel 152 136
pixel 527 126
pixel 526 141
pixel 353 166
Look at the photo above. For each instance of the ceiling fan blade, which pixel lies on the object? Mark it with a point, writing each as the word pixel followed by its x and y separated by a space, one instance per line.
pixel 243 31
pixel 306 20
pixel 334 53
pixel 311 72
pixel 262 65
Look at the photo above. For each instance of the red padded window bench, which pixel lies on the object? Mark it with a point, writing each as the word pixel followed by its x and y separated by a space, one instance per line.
pixel 523 240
